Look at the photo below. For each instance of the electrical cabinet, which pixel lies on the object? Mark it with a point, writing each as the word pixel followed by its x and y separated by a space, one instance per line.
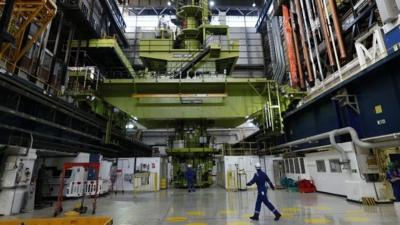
pixel 16 180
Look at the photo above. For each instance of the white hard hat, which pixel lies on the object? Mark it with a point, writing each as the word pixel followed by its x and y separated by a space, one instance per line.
pixel 258 166
pixel 189 165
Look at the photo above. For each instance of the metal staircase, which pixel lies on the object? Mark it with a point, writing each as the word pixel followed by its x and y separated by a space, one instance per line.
pixel 196 59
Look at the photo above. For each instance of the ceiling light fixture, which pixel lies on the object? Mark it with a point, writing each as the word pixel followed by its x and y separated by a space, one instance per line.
pixel 212 3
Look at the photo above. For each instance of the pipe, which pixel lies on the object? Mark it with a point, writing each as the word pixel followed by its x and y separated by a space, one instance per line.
pixel 338 28
pixel 271 47
pixel 338 132
pixel 308 40
pixel 325 32
pixel 280 66
pixel 296 47
pixel 303 41
pixel 314 10
pixel 332 37
pixel 290 46
pixel 311 17
pixel 339 148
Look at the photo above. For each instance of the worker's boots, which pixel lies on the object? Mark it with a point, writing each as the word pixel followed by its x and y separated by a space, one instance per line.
pixel 277 215
pixel 255 216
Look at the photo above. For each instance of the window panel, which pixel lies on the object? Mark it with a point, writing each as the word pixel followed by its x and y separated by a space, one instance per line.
pixel 335 166
pixel 291 165
pixel 321 166
pixel 296 165
pixel 287 166
pixel 302 166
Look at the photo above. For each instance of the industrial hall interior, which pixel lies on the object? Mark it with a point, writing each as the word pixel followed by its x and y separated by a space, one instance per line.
pixel 199 112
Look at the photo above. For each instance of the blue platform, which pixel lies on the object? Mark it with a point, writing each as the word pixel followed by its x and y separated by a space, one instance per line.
pixel 377 87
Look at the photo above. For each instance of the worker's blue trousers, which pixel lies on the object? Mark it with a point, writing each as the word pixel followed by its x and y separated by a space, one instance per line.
pixel 396 190
pixel 190 184
pixel 262 198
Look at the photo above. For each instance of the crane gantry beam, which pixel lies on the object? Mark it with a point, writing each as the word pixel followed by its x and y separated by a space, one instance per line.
pixel 25 13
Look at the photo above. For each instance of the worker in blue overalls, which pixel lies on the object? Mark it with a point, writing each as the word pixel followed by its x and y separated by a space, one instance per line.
pixel 190 177
pixel 260 178
pixel 393 176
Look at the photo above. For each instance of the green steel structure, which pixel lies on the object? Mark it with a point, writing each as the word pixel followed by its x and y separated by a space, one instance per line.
pixel 191 146
pixel 200 158
pixel 107 53
pixel 196 47
pixel 187 85
pixel 225 101
pixel 187 77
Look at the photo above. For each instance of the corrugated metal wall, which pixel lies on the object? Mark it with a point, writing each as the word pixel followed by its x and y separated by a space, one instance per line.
pixel 249 45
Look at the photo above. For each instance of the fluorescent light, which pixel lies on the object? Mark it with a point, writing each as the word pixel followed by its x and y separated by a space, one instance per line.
pixel 212 3
pixel 130 126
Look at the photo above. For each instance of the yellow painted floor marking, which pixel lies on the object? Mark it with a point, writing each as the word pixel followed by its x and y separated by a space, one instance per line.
pixel 317 220
pixel 196 223
pixel 176 219
pixel 238 223
pixel 355 211
pixel 286 215
pixel 227 212
pixel 247 215
pixel 321 207
pixel 195 213
pixel 292 210
pixel 356 219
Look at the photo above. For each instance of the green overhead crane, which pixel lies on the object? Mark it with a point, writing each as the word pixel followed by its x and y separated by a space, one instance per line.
pixel 188 78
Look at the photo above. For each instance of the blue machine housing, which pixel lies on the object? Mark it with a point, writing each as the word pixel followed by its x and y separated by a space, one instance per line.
pixel 378 86
pixel 392 40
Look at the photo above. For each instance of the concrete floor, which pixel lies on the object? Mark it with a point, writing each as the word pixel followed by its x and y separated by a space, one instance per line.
pixel 215 206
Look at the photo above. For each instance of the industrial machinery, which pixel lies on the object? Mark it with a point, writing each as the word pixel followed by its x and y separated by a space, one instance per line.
pixel 202 161
pixel 191 146
pixel 195 48
pixel 77 180
pixel 188 75
pixel 188 83
pixel 17 187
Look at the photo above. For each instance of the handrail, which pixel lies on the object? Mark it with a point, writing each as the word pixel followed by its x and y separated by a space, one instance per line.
pixel 48 88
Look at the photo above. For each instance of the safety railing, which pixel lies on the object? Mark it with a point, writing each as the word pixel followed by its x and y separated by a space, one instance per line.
pixel 243 148
pixel 366 56
pixel 48 88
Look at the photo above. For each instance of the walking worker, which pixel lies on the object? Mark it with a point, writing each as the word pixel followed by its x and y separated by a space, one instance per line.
pixel 190 178
pixel 260 178
pixel 393 176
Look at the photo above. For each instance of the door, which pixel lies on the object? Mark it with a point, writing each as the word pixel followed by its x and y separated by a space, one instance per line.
pixel 279 172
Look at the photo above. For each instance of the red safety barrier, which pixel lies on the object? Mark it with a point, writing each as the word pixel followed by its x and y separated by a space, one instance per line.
pixel 306 186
